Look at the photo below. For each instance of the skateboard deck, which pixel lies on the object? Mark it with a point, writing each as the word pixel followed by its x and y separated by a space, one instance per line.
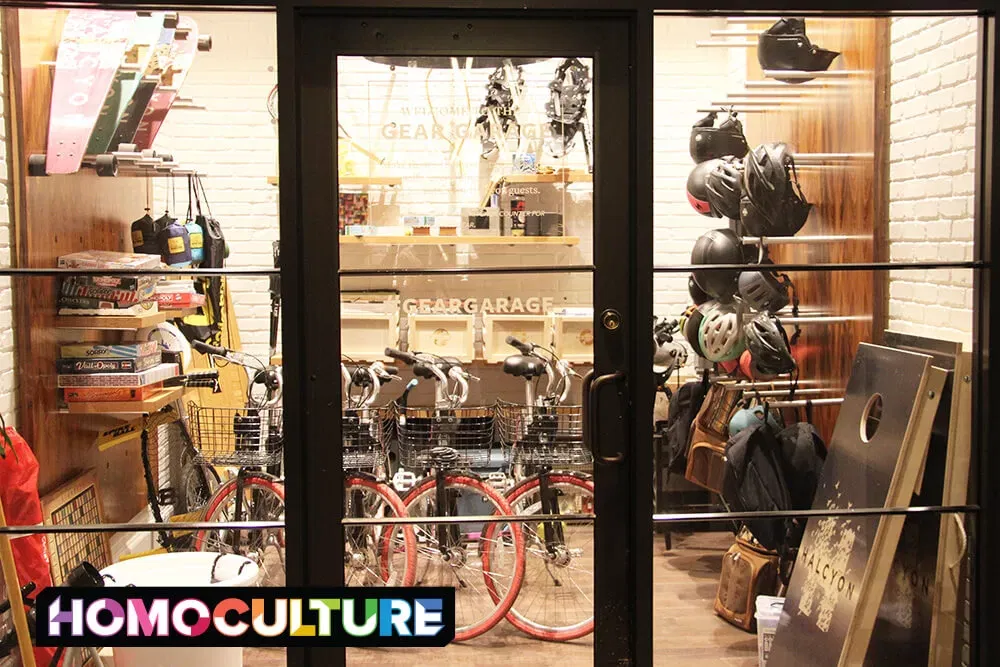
pixel 185 48
pixel 137 56
pixel 134 109
pixel 91 48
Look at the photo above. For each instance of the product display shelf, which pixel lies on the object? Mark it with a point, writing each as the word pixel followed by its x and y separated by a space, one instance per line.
pixel 373 181
pixel 122 323
pixel 558 177
pixel 150 405
pixel 175 313
pixel 460 240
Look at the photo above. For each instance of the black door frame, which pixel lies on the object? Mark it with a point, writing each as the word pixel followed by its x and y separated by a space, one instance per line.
pixel 622 227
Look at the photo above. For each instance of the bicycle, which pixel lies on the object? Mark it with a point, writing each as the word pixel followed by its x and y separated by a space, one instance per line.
pixel 373 556
pixel 443 441
pixel 250 439
pixel 198 482
pixel 544 435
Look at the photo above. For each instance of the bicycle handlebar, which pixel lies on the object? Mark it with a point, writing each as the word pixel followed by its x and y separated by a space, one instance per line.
pixel 205 348
pixel 521 347
pixel 399 355
pixel 207 378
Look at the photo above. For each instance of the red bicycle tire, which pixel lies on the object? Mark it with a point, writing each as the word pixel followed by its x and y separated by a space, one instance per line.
pixel 228 487
pixel 504 605
pixel 512 496
pixel 409 537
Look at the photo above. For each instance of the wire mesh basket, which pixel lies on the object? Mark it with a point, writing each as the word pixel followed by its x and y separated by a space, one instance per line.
pixel 246 437
pixel 366 433
pixel 543 435
pixel 469 431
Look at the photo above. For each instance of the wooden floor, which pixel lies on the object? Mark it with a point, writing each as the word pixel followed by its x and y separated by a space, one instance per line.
pixel 686 631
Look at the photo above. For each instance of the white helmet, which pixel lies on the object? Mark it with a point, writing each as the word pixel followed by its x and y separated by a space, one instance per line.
pixel 721 333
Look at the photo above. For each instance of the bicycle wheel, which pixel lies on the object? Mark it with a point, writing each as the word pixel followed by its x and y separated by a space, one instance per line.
pixel 263 500
pixel 556 602
pixel 199 481
pixel 376 555
pixel 462 560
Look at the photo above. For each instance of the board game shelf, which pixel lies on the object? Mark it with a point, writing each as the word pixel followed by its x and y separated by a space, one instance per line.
pixel 152 404
pixel 112 322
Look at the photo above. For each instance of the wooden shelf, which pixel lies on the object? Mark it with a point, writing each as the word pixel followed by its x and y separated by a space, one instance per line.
pixel 559 177
pixel 148 406
pixel 174 313
pixel 122 323
pixel 386 181
pixel 460 240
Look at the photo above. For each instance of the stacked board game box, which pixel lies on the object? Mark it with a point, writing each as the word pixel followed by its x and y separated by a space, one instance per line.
pixel 100 373
pixel 177 294
pixel 107 295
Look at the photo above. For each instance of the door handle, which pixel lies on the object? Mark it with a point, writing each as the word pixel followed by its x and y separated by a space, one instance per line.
pixel 591 389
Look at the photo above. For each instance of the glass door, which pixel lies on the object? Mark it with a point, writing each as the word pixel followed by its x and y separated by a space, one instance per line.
pixel 466 193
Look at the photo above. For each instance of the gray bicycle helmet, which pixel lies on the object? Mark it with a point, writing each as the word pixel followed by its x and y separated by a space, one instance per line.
pixel 709 142
pixel 764 290
pixel 768 345
pixel 718 246
pixel 720 334
pixel 725 185
pixel 785 46
pixel 772 202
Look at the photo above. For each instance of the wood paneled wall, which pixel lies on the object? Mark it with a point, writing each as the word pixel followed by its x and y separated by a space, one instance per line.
pixel 54 216
pixel 839 119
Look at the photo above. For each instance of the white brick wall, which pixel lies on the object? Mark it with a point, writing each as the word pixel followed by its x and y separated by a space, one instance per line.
pixel 233 144
pixel 8 379
pixel 932 170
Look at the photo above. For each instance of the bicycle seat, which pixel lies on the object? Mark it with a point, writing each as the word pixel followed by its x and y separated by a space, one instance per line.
pixel 519 365
pixel 441 456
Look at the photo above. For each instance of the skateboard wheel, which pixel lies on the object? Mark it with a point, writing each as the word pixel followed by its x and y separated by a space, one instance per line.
pixel 36 165
pixel 170 20
pixel 107 165
pixel 127 148
pixel 166 157
pixel 205 43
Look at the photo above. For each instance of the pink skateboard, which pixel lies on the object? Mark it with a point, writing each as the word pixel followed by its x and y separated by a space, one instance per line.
pixel 187 42
pixel 90 51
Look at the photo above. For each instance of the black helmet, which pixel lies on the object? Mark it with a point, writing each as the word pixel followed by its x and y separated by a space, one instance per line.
pixel 697 189
pixel 768 345
pixel 718 246
pixel 698 295
pixel 709 142
pixel 772 203
pixel 784 46
pixel 693 317
pixel 763 290
pixel 725 185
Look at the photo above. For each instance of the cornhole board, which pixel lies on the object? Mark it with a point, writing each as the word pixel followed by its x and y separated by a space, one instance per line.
pixel 874 461
pixel 917 618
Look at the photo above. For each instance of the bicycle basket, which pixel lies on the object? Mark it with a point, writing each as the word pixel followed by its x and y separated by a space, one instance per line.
pixel 245 437
pixel 469 431
pixel 542 435
pixel 366 433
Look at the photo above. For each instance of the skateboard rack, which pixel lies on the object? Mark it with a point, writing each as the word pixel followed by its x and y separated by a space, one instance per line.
pixel 146 163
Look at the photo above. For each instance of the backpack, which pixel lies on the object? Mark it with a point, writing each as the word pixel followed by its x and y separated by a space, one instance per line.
pixel 754 481
pixel 206 325
pixel 773 472
pixel 684 407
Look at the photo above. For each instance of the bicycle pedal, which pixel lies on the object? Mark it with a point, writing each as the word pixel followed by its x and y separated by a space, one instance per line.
pixel 166 496
pixel 498 480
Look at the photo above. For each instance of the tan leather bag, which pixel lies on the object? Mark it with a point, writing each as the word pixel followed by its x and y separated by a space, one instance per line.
pixel 748 570
pixel 706 464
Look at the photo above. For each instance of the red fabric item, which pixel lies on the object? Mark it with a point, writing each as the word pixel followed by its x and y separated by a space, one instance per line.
pixel 23 507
